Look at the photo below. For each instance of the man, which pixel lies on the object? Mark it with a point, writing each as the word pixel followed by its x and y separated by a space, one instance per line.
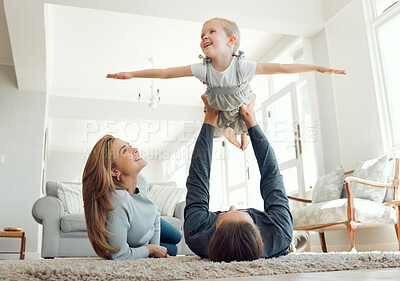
pixel 239 235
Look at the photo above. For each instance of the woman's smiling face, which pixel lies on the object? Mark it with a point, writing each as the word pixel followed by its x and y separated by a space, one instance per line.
pixel 127 158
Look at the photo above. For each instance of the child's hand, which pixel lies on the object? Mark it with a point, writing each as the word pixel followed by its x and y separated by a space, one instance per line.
pixel 120 75
pixel 330 70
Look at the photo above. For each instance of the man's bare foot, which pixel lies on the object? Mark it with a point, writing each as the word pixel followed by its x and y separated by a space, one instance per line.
pixel 245 141
pixel 231 136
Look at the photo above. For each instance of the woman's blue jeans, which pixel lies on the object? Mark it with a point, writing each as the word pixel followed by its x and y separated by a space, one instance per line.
pixel 170 236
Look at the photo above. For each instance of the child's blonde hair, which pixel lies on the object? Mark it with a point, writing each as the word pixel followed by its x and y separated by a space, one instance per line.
pixel 230 28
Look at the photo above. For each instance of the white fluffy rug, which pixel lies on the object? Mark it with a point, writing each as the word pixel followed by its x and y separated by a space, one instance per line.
pixel 180 268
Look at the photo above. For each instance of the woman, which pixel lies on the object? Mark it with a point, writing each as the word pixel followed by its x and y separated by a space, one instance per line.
pixel 237 234
pixel 121 218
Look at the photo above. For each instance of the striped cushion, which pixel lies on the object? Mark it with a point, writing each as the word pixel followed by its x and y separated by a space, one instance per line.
pixel 166 198
pixel 70 195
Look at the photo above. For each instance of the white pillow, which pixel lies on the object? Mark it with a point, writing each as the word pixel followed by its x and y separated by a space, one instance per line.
pixel 328 187
pixel 389 196
pixel 166 198
pixel 70 195
pixel 373 170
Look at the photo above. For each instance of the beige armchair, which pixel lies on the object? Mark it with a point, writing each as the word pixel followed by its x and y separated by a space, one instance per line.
pixel 350 213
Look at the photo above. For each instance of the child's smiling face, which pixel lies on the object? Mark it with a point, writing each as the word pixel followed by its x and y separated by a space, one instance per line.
pixel 214 41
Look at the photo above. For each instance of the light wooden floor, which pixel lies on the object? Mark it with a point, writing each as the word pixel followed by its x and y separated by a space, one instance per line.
pixel 389 274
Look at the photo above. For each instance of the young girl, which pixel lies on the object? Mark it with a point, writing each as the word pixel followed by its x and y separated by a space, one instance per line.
pixel 226 75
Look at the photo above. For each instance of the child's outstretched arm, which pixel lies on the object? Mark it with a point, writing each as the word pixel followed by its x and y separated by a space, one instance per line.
pixel 277 68
pixel 164 73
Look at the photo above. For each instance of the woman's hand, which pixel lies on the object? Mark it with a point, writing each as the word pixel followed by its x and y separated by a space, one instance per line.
pixel 157 251
pixel 211 113
pixel 120 75
pixel 328 70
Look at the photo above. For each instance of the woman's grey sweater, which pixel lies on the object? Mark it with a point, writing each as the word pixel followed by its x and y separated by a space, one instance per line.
pixel 134 222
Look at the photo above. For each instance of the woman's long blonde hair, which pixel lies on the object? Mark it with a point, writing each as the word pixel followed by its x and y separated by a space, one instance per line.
pixel 97 182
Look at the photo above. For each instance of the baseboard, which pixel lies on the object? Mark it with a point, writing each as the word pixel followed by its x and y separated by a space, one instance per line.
pixel 28 256
pixel 385 247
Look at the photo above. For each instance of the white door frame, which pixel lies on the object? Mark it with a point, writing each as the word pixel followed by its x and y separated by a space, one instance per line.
pixel 238 186
pixel 295 162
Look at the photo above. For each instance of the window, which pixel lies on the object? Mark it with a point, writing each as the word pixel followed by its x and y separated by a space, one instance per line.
pixel 274 113
pixel 390 46
pixel 385 29
pixel 381 6
pixel 294 54
pixel 260 87
pixel 176 168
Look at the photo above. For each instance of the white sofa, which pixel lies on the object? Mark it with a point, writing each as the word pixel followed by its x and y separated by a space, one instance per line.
pixel 64 235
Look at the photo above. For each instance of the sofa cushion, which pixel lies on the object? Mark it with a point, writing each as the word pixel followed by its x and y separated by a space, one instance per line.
pixel 328 187
pixel 73 222
pixel 166 198
pixel 373 170
pixel 366 211
pixel 173 221
pixel 70 195
pixel 389 196
pixel 76 222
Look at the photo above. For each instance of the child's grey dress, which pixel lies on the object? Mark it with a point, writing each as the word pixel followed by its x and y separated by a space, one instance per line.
pixel 228 100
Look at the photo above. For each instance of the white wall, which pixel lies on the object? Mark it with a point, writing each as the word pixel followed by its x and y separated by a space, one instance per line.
pixel 71 140
pixel 356 103
pixel 65 166
pixel 68 166
pixel 348 104
pixel 330 8
pixel 22 119
pixel 349 113
pixel 153 170
pixel 326 105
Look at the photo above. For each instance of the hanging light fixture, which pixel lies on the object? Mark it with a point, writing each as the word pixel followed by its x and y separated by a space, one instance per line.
pixel 153 99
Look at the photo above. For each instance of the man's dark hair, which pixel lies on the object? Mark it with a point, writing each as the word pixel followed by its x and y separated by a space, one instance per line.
pixel 235 241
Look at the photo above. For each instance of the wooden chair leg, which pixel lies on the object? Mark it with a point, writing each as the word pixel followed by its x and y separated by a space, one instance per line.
pixel 22 250
pixel 351 230
pixel 397 225
pixel 323 242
